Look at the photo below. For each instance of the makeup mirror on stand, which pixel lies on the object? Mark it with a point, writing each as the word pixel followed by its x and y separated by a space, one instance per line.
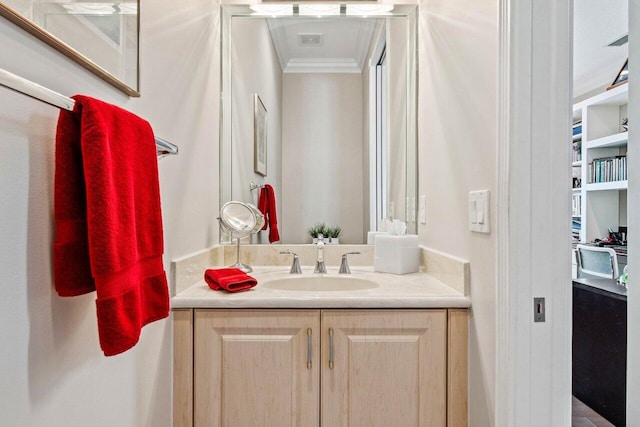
pixel 240 220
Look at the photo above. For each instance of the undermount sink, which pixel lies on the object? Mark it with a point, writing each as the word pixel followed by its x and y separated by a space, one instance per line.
pixel 320 283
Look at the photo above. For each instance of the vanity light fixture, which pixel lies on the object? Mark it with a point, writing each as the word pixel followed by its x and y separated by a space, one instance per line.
pixel 129 8
pixel 318 9
pixel 369 9
pixel 272 9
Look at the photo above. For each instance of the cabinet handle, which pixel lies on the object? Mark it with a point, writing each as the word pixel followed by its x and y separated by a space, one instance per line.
pixel 308 348
pixel 330 348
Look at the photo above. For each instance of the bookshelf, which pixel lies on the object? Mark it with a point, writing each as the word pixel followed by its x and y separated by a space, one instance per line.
pixel 576 172
pixel 600 164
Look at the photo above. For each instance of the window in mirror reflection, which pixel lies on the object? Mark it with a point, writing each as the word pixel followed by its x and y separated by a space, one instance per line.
pixel 379 163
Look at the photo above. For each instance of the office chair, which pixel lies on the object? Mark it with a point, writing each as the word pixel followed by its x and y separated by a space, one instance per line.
pixel 598 262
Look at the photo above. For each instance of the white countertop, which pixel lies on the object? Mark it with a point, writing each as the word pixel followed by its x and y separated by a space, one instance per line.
pixel 416 290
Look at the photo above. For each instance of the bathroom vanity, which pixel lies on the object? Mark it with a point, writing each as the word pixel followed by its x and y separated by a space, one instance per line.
pixel 391 352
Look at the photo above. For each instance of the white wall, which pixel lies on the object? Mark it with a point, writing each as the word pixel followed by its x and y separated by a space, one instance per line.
pixel 53 372
pixel 256 69
pixel 322 155
pixel 457 107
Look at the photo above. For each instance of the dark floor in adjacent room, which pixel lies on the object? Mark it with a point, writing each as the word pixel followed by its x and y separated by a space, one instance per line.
pixel 583 416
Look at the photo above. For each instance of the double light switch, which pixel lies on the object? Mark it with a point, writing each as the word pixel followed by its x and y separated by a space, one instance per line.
pixel 479 211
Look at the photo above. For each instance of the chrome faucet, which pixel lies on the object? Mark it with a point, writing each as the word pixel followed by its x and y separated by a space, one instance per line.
pixel 320 267
pixel 344 265
pixel 295 267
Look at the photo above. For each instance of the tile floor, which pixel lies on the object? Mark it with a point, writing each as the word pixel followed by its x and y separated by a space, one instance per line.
pixel 583 416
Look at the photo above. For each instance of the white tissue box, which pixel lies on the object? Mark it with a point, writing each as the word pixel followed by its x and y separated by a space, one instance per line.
pixel 371 236
pixel 396 254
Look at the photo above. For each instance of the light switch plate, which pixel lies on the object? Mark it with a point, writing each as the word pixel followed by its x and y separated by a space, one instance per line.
pixel 479 211
pixel 422 210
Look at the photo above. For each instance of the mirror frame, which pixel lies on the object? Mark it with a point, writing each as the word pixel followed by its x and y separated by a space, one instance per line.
pixel 230 11
pixel 62 47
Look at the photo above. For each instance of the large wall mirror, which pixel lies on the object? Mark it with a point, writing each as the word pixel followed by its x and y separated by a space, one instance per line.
pixel 338 84
pixel 100 35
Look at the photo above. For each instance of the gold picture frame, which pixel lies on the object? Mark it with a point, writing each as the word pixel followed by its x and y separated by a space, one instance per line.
pixel 64 48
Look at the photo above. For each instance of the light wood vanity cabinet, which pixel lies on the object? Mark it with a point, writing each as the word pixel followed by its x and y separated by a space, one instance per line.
pixel 329 368
pixel 251 368
pixel 389 368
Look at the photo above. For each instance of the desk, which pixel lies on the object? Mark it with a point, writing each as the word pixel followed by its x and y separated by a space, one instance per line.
pixel 600 347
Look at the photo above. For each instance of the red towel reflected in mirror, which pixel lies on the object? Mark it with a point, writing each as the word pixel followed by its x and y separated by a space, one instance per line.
pixel 267 205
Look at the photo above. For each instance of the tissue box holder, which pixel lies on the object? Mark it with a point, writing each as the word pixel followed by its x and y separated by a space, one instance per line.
pixel 396 254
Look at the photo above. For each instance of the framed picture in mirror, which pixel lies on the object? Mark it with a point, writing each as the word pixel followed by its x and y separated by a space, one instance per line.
pixel 260 136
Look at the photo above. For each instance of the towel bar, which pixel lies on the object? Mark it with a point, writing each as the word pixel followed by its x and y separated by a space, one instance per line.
pixel 41 93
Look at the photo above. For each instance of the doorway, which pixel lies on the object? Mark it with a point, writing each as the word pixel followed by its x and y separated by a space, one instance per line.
pixel 599 211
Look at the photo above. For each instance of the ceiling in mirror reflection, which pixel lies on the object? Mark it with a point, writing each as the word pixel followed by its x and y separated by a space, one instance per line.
pixel 322 45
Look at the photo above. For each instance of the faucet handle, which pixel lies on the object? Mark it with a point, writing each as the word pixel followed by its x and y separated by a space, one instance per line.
pixel 295 267
pixel 344 265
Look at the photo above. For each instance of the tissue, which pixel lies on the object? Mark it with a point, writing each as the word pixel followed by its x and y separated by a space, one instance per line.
pixel 398 228
pixel 395 227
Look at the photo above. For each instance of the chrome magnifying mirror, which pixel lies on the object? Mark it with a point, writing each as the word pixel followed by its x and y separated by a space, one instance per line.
pixel 240 220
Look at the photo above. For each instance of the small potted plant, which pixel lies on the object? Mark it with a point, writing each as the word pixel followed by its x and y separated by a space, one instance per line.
pixel 334 234
pixel 317 230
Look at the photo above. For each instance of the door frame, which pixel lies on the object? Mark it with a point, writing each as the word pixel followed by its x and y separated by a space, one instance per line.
pixel 533 364
pixel 534 388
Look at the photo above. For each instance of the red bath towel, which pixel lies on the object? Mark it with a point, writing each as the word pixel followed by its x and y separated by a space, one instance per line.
pixel 108 220
pixel 229 279
pixel 267 205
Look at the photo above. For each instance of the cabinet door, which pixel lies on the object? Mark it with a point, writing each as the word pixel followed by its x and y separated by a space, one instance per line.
pixel 251 368
pixel 388 368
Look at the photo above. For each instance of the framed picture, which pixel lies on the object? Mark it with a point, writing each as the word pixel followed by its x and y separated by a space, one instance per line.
pixel 259 136
pixel 622 77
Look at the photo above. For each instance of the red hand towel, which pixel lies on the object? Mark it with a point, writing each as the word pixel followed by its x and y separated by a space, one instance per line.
pixel 267 205
pixel 229 279
pixel 108 220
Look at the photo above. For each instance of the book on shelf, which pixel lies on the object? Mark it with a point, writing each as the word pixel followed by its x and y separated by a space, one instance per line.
pixel 576 151
pixel 607 169
pixel 576 206
pixel 575 229
pixel 577 128
pixel 576 131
